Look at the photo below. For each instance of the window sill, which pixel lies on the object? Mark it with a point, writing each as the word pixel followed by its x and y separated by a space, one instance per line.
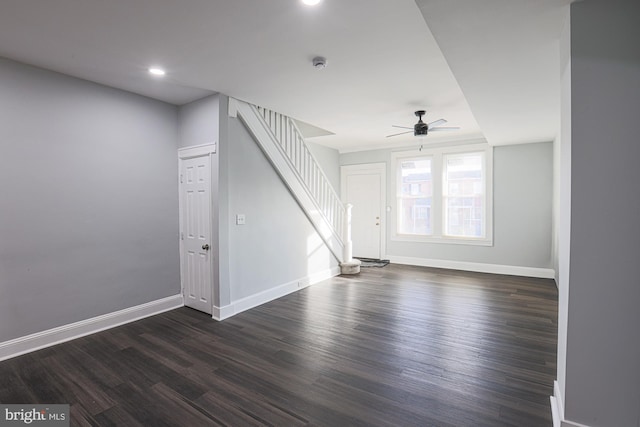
pixel 441 240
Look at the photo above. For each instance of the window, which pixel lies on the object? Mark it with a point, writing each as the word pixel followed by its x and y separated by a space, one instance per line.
pixel 463 194
pixel 414 198
pixel 444 195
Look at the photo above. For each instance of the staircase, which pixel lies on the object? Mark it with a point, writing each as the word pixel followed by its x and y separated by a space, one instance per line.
pixel 282 142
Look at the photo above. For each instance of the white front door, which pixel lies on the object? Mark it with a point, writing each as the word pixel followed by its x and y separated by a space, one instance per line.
pixel 195 209
pixel 363 186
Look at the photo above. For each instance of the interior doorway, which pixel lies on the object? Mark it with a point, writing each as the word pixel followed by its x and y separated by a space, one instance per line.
pixel 196 266
pixel 364 187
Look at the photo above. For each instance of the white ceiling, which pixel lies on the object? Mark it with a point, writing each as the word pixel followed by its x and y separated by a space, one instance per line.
pixel 494 70
pixel 505 56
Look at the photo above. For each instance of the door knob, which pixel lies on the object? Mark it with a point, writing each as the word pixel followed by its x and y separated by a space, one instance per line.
pixel 205 247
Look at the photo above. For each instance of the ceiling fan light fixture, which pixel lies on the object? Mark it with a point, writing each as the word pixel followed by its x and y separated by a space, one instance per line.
pixel 421 129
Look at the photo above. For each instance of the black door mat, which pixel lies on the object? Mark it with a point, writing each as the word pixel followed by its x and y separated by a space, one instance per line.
pixel 370 262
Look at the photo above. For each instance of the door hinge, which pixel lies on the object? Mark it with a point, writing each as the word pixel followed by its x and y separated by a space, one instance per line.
pixel 181 178
pixel 181 235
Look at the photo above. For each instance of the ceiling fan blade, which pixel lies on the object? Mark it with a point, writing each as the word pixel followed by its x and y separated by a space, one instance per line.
pixel 401 133
pixel 401 127
pixel 437 122
pixel 443 128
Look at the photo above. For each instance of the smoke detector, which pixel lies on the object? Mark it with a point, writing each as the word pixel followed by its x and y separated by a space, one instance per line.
pixel 319 62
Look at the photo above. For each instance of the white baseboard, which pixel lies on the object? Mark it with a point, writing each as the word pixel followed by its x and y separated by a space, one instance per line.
pixel 557 421
pixel 557 409
pixel 221 313
pixel 40 340
pixel 543 273
pixel 565 423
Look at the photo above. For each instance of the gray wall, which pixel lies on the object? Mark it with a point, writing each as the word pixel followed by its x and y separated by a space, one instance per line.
pixel 522 209
pixel 199 122
pixel 278 244
pixel 603 340
pixel 329 160
pixel 89 206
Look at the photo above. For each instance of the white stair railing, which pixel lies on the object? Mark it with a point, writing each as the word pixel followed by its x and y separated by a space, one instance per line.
pixel 282 141
pixel 292 143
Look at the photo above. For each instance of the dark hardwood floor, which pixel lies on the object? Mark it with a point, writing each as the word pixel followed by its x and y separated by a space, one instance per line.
pixel 397 346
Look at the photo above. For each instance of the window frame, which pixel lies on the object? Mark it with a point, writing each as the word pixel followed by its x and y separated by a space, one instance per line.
pixel 437 155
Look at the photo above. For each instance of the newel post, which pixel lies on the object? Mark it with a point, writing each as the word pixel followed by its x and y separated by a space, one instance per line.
pixel 347 254
pixel 348 265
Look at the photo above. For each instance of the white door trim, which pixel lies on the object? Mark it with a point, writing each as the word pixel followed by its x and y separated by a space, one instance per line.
pixel 197 150
pixel 203 150
pixel 366 169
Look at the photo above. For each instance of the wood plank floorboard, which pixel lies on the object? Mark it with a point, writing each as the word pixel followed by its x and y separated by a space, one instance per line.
pixel 392 346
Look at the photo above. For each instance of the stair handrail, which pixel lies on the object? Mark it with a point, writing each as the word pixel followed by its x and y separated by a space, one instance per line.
pixel 338 224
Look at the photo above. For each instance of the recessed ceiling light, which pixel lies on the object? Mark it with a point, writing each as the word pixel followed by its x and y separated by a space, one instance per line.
pixel 157 71
pixel 311 2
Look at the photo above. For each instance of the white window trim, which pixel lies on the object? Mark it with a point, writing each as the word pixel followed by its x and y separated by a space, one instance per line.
pixel 437 154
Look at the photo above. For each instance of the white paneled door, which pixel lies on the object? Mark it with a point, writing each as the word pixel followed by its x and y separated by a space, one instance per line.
pixel 195 200
pixel 363 187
